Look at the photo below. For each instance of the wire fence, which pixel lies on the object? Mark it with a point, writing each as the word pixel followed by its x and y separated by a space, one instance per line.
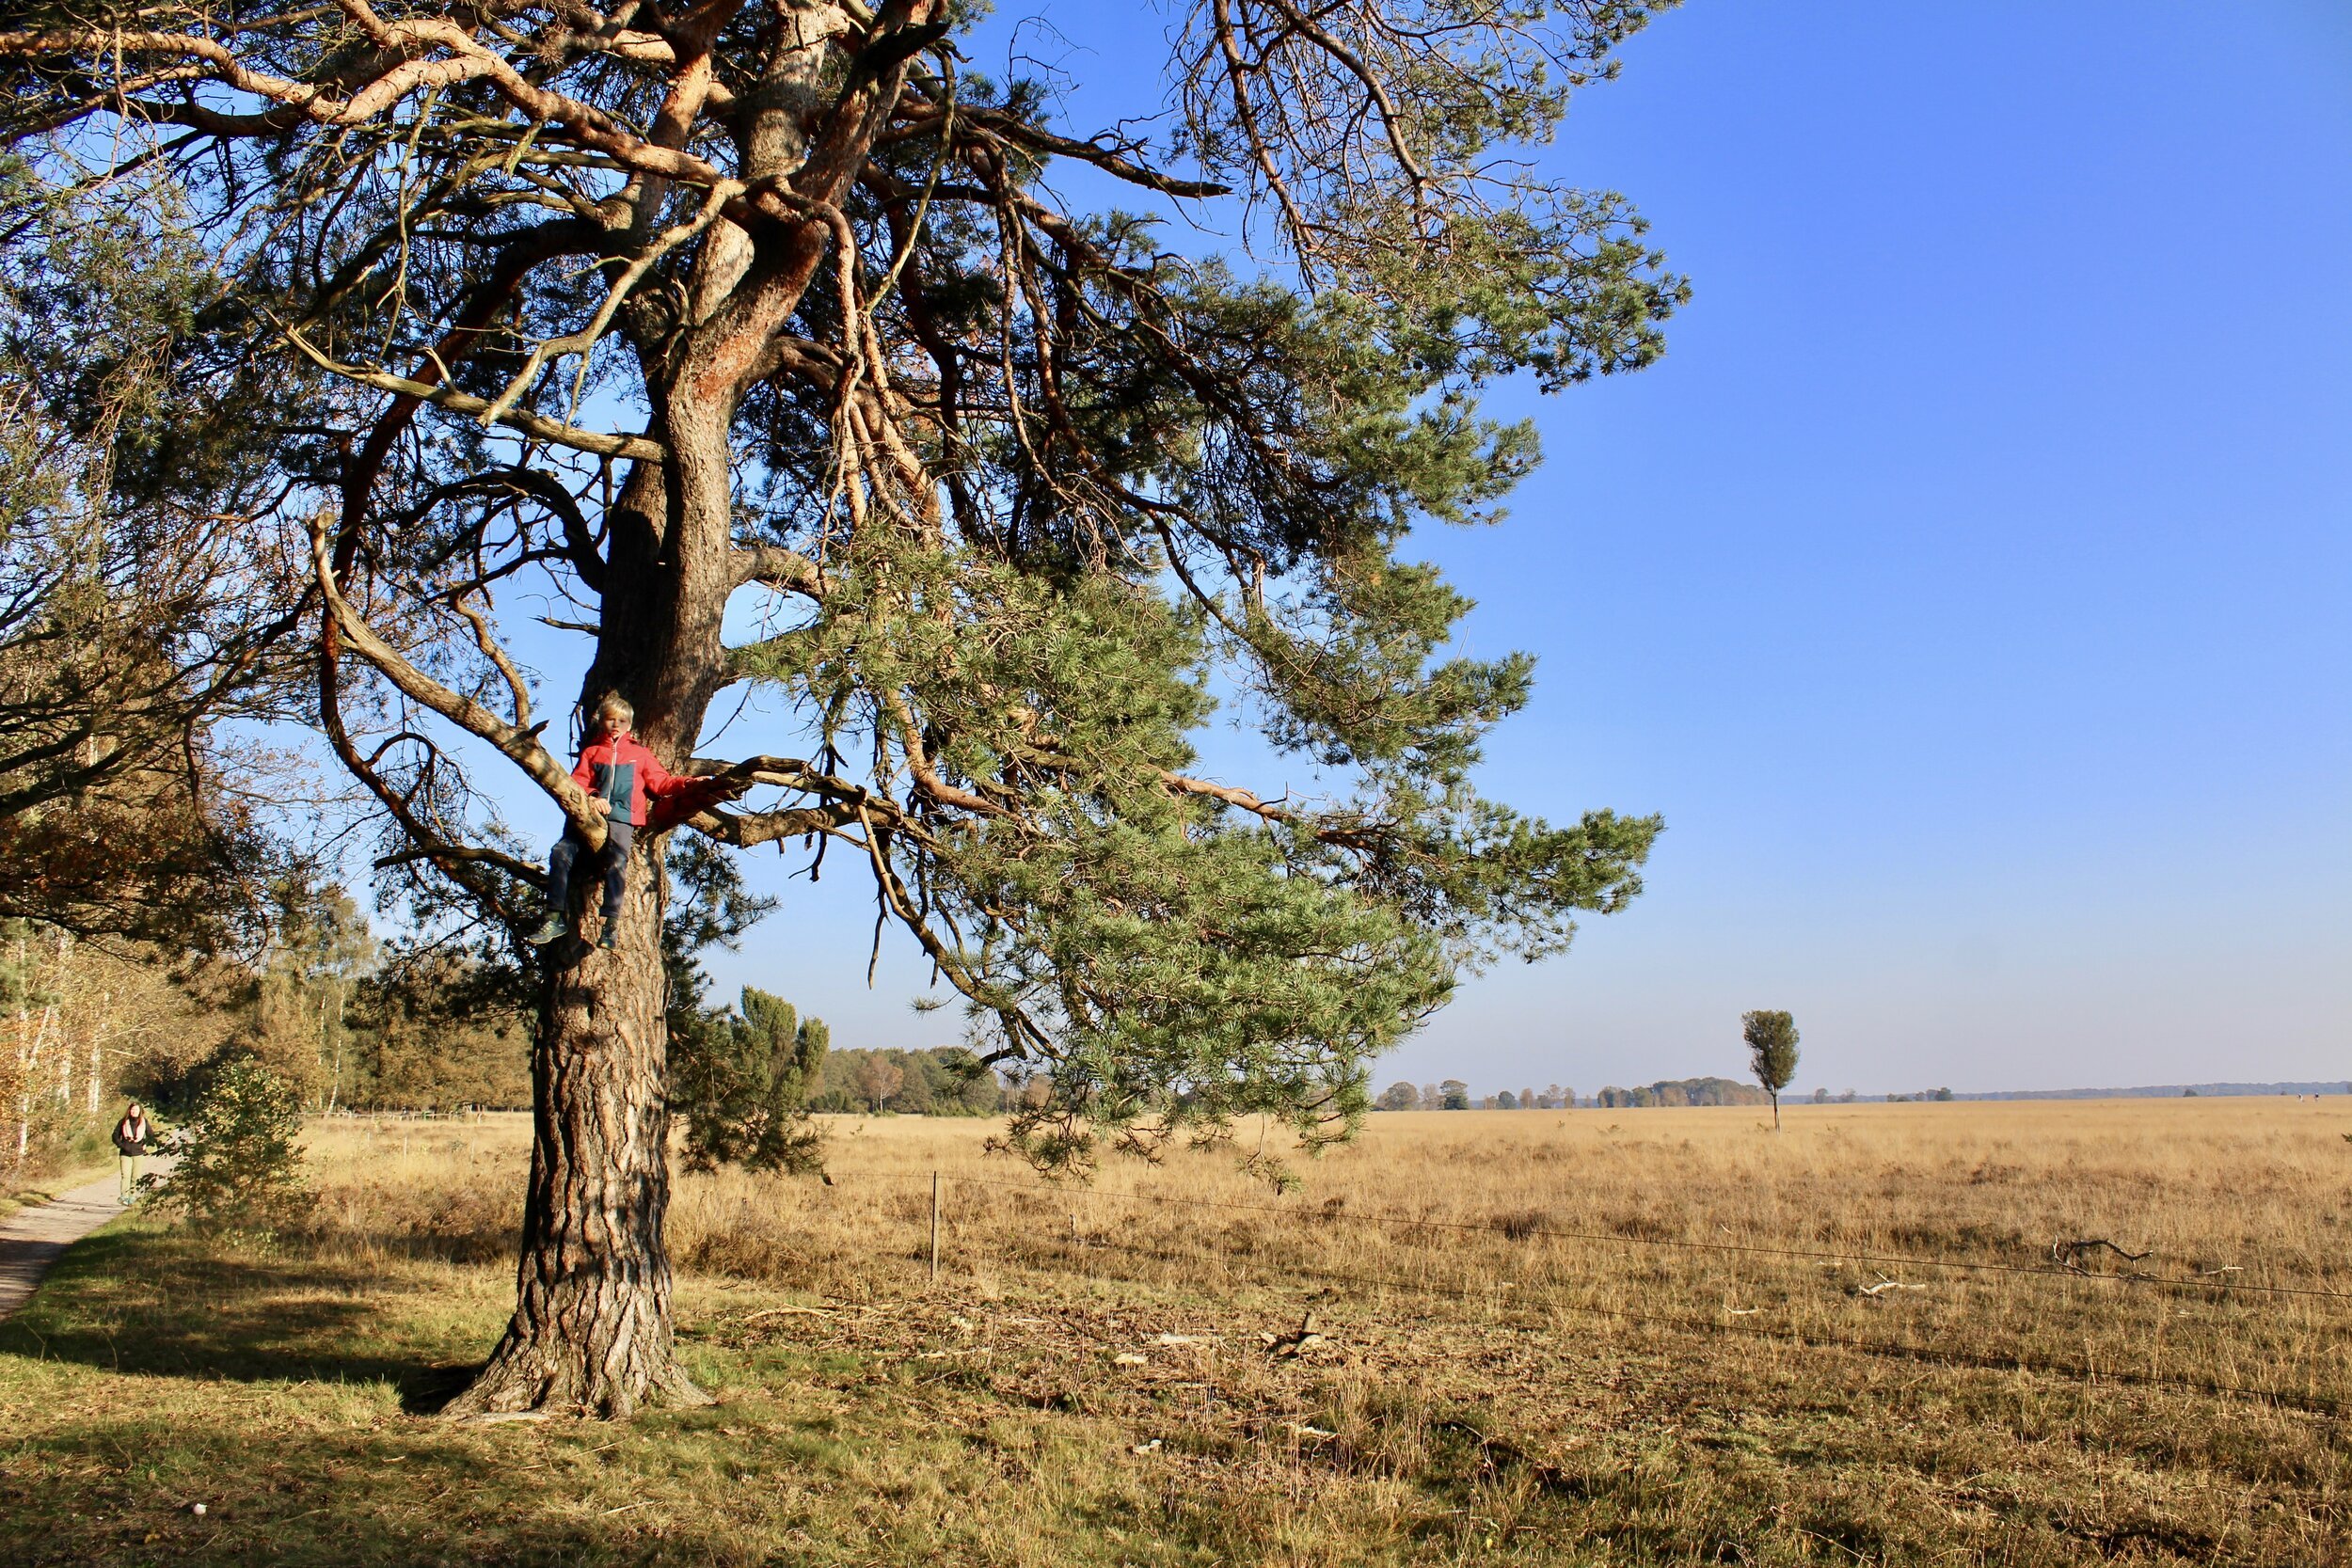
pixel 1536 1303
pixel 1519 1231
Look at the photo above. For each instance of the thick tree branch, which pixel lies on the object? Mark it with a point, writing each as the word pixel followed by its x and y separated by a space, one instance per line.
pixel 1392 117
pixel 1018 133
pixel 779 568
pixel 513 484
pixel 793 773
pixel 748 829
pixel 520 746
pixel 519 690
pixel 1353 834
pixel 636 446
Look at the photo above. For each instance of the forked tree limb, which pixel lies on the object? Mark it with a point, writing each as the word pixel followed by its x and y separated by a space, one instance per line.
pixel 408 47
pixel 845 800
pixel 1391 118
pixel 458 862
pixel 875 817
pixel 517 689
pixel 1001 127
pixel 640 448
pixel 520 746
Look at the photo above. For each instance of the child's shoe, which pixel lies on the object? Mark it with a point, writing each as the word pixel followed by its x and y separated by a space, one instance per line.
pixel 610 939
pixel 553 926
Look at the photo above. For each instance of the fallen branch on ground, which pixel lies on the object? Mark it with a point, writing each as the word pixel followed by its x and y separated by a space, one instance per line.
pixel 2069 1255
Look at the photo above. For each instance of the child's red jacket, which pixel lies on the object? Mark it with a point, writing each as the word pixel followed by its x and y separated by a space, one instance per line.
pixel 618 769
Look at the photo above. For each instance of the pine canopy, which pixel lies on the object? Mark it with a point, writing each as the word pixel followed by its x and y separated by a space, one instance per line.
pixel 624 317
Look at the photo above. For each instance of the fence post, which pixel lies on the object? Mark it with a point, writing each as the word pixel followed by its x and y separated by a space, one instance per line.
pixel 934 1228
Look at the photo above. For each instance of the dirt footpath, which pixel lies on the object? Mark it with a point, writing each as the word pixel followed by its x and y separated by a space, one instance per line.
pixel 32 1238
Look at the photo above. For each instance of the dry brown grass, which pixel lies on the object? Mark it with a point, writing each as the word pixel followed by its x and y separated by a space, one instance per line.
pixel 1590 1218
pixel 1534 1347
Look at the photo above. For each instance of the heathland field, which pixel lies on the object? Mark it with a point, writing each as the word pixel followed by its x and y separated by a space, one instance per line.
pixel 1651 1336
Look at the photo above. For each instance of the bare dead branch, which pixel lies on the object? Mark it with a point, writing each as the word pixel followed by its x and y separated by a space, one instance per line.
pixel 637 447
pixel 520 746
pixel 2070 1255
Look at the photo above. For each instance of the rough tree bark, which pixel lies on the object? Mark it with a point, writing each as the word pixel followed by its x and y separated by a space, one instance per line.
pixel 592 1331
pixel 592 1328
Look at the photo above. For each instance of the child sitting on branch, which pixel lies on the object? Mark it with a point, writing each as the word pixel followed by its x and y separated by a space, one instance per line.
pixel 622 781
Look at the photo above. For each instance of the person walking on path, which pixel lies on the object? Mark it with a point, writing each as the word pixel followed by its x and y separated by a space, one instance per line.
pixel 132 1134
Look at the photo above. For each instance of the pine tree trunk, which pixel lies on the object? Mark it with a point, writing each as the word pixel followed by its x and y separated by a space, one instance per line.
pixel 592 1330
pixel 592 1333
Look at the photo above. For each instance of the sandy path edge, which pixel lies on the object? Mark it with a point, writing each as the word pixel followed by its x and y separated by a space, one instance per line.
pixel 32 1238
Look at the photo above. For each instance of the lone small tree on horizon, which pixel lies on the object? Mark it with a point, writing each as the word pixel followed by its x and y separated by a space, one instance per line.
pixel 1771 1039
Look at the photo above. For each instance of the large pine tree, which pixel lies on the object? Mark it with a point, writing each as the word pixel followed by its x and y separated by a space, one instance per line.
pixel 671 303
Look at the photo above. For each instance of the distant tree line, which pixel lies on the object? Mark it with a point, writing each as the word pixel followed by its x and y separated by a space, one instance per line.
pixel 1682 1091
pixel 1454 1095
pixel 349 1022
pixel 941 1081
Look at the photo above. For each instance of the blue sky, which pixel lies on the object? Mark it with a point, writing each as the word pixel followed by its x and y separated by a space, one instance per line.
pixel 1968 586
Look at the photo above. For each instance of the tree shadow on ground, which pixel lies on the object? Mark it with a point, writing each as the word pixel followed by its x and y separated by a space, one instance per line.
pixel 127 1395
pixel 404 1497
pixel 138 1302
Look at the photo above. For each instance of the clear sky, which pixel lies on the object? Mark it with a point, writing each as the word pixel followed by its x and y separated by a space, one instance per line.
pixel 1968 587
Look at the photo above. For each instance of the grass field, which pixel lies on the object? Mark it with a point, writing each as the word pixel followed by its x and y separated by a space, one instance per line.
pixel 1596 1336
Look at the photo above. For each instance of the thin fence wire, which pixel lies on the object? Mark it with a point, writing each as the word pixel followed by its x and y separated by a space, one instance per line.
pixel 1875 1259
pixel 1521 1291
pixel 1926 1354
